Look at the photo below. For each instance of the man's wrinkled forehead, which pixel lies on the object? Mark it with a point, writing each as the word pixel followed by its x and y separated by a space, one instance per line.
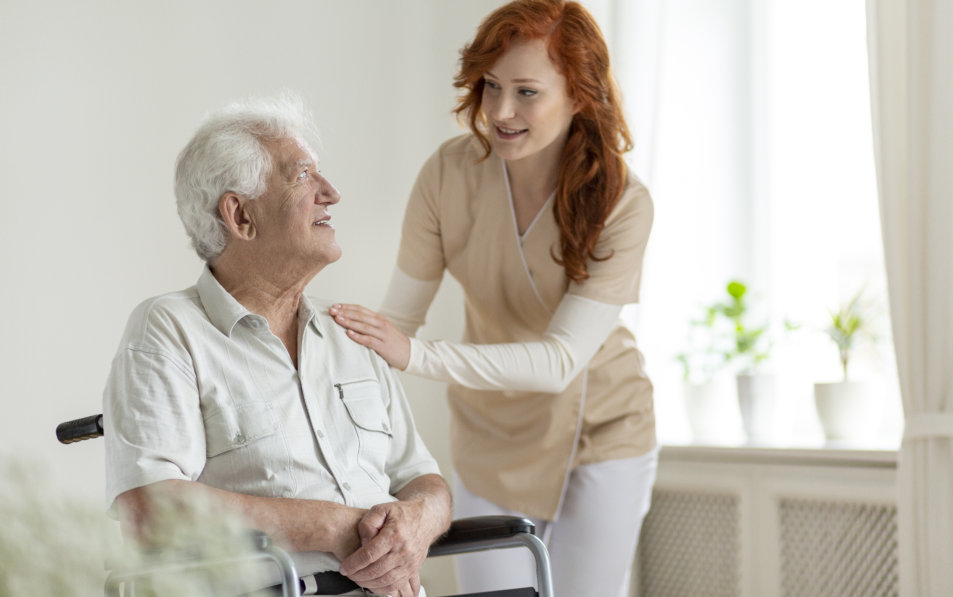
pixel 291 155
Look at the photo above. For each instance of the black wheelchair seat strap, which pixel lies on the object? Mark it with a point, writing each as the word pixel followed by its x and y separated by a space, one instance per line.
pixel 323 583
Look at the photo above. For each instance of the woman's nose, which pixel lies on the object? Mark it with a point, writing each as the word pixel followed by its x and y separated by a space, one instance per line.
pixel 502 108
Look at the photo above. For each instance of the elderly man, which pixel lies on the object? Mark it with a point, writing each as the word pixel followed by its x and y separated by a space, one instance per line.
pixel 240 390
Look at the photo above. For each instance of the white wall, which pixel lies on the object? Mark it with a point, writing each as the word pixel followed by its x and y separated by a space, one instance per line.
pixel 97 98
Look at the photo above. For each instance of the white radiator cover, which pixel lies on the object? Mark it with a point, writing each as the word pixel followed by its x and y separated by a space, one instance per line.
pixel 756 522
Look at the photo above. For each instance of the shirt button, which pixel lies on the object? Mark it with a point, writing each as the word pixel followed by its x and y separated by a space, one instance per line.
pixel 319 433
pixel 346 486
pixel 239 438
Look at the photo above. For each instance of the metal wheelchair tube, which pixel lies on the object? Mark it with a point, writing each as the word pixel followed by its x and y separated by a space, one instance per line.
pixel 544 573
pixel 289 575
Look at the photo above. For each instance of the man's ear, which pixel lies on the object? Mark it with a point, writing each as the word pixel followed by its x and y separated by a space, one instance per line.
pixel 238 220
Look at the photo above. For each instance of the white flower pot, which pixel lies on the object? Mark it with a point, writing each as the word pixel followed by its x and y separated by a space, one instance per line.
pixel 709 407
pixel 757 400
pixel 848 410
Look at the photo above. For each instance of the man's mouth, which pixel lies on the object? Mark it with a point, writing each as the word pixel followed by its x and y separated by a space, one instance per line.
pixel 326 221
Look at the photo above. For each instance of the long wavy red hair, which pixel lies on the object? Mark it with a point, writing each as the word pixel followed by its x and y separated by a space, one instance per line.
pixel 592 173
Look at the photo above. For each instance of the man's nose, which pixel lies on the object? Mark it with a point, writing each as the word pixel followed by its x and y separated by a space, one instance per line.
pixel 325 192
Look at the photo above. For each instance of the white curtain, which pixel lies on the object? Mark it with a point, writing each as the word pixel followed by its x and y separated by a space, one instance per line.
pixel 911 70
pixel 634 31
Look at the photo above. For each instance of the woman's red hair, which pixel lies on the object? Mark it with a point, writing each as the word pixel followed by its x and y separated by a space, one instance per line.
pixel 592 173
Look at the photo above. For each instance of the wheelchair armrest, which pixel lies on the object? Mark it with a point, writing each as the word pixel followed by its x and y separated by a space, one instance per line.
pixel 480 533
pixel 480 529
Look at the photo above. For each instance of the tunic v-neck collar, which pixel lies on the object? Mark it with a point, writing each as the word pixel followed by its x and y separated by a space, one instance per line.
pixel 521 237
pixel 509 195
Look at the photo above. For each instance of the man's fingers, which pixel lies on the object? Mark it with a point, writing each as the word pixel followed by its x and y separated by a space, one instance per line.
pixel 380 563
pixel 371 524
pixel 356 565
pixel 380 578
pixel 371 550
pixel 405 589
pixel 394 552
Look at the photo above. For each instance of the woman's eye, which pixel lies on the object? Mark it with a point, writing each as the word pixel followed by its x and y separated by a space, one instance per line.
pixel 527 92
pixel 491 84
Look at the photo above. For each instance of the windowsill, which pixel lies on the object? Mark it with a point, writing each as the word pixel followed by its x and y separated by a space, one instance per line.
pixel 794 432
pixel 875 454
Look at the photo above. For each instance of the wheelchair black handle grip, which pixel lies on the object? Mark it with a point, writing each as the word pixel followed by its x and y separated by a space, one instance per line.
pixel 79 429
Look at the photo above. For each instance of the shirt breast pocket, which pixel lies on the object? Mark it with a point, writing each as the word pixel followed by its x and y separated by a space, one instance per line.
pixel 366 409
pixel 238 427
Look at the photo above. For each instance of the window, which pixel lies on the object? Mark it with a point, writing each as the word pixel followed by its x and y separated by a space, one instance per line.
pixel 757 149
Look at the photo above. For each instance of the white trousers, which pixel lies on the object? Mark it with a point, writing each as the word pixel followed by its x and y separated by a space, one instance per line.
pixel 591 545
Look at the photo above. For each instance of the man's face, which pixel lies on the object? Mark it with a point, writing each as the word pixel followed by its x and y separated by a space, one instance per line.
pixel 291 218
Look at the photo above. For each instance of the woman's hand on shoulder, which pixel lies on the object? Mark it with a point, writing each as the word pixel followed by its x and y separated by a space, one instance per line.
pixel 374 331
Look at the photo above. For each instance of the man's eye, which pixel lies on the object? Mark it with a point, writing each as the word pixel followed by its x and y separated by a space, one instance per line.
pixel 303 174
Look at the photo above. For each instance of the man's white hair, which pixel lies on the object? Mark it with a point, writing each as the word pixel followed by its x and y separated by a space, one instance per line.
pixel 227 154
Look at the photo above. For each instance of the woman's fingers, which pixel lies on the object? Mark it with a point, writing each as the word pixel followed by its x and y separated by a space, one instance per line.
pixel 359 319
pixel 373 330
pixel 355 313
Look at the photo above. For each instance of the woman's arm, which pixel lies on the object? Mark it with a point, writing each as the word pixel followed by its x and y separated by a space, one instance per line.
pixel 387 333
pixel 408 300
pixel 577 330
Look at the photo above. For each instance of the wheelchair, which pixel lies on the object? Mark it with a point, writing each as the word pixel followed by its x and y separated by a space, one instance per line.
pixel 465 535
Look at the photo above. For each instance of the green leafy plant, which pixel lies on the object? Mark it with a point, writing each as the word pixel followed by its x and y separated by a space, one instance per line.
pixel 852 322
pixel 727 338
pixel 55 543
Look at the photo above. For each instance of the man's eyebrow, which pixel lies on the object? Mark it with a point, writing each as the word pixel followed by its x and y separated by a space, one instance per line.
pixel 298 165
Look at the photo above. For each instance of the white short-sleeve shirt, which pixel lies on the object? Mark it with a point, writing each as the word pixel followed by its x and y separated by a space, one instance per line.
pixel 201 390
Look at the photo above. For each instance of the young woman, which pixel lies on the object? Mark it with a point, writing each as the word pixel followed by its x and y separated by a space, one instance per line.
pixel 535 213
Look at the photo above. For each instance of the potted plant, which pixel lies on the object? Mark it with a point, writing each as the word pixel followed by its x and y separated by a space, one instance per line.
pixel 733 345
pixel 750 348
pixel 705 389
pixel 848 409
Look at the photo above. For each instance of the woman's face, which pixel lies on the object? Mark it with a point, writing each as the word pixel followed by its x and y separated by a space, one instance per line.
pixel 525 104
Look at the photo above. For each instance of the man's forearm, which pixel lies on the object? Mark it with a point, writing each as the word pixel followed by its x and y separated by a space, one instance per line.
pixel 434 495
pixel 300 525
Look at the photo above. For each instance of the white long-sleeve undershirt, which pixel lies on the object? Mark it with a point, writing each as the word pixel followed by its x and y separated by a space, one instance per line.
pixel 577 330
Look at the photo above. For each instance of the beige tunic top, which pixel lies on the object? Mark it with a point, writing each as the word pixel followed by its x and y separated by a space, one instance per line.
pixel 517 448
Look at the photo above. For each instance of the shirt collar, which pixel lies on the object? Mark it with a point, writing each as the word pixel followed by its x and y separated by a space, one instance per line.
pixel 307 313
pixel 224 311
pixel 220 306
